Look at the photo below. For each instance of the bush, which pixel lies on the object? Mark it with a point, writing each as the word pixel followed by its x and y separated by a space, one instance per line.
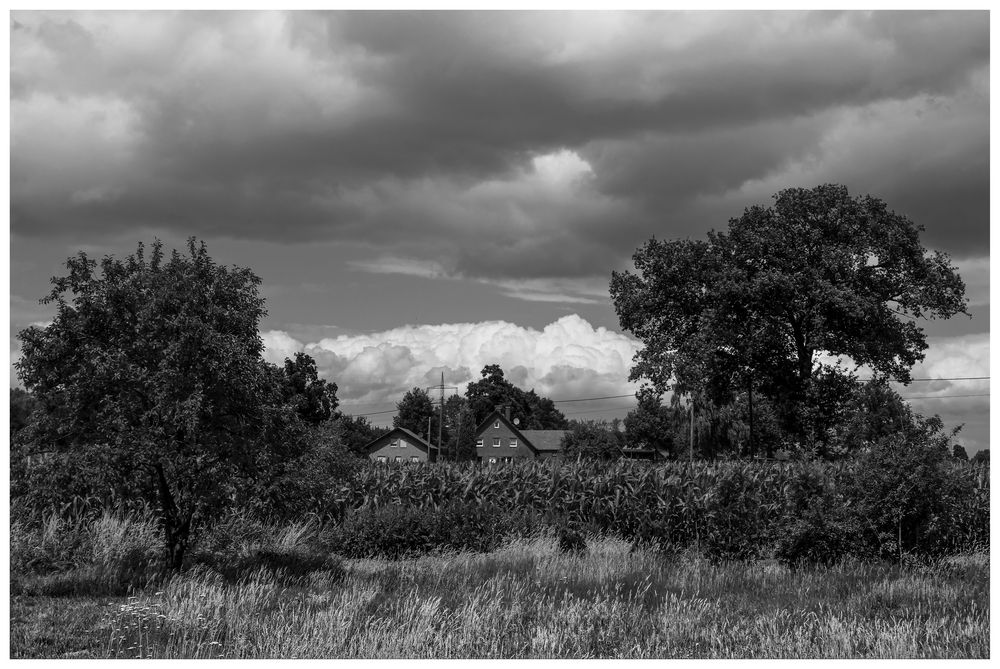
pixel 821 536
pixel 395 531
pixel 912 497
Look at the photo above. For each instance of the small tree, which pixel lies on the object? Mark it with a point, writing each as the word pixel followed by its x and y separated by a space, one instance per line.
pixel 958 452
pixel 151 374
pixel 981 457
pixel 591 439
pixel 650 424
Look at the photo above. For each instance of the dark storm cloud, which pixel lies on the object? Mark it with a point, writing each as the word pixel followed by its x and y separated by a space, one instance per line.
pixel 419 135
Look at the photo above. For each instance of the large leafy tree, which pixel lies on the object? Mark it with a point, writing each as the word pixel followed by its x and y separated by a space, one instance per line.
pixel 151 374
pixel 414 411
pixel 493 390
pixel 314 399
pixel 819 274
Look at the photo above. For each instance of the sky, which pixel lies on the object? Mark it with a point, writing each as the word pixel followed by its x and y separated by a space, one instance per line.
pixel 426 193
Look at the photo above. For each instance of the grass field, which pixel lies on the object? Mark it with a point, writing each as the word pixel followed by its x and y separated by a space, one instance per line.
pixel 525 600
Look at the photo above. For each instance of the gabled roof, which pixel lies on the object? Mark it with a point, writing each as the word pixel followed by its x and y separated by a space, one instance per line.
pixel 540 441
pixel 416 440
pixel 545 440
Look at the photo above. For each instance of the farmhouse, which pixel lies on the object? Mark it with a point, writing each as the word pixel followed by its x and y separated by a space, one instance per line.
pixel 498 439
pixel 399 445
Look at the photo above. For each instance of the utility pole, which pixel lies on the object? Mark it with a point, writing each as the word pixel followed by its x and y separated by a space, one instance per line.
pixel 441 419
pixel 691 439
pixel 442 387
pixel 750 405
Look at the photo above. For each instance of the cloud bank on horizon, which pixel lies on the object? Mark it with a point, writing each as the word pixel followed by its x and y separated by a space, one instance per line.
pixel 568 359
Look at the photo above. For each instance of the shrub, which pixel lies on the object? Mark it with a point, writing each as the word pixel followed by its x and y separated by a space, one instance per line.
pixel 395 531
pixel 912 497
pixel 820 535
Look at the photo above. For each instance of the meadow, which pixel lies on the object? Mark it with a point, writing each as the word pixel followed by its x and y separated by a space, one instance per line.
pixel 708 561
pixel 529 599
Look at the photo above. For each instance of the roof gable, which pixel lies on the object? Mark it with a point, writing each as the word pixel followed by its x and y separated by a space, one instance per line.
pixel 539 441
pixel 497 416
pixel 402 432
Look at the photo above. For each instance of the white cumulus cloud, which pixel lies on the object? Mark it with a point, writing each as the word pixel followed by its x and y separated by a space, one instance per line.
pixel 568 358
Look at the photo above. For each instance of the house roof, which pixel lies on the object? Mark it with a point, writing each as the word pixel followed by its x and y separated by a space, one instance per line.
pixel 545 440
pixel 402 431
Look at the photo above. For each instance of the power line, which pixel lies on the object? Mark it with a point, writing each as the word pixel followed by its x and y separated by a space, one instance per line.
pixel 941 397
pixel 590 399
pixel 614 397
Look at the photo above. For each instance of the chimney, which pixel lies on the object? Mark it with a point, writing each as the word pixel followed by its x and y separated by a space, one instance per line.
pixel 506 413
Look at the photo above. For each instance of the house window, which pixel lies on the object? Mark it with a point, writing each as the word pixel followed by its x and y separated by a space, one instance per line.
pixel 394 443
pixel 496 425
pixel 381 458
pixel 479 443
pixel 492 461
pixel 399 458
pixel 513 442
pixel 507 459
pixel 402 443
pixel 414 458
pixel 496 442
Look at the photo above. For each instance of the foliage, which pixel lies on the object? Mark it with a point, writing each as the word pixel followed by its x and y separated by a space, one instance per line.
pixel 355 432
pixel 461 424
pixel 151 377
pixel 725 509
pixel 592 439
pixel 413 412
pixel 651 425
pixel 302 486
pixel 958 452
pixel 981 457
pixel 820 272
pixel 312 398
pixel 914 498
pixel 21 406
pixel 493 390
pixel 395 531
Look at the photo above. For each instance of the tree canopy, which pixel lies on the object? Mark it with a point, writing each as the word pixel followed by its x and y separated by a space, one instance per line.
pixel 788 289
pixel 493 390
pixel 152 372
pixel 413 412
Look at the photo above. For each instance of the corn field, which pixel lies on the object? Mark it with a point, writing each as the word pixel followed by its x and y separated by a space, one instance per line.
pixel 723 504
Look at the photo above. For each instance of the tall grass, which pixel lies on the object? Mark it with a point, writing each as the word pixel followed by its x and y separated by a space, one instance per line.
pixel 531 600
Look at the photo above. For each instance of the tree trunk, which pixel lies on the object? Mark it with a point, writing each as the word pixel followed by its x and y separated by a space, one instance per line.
pixel 176 524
